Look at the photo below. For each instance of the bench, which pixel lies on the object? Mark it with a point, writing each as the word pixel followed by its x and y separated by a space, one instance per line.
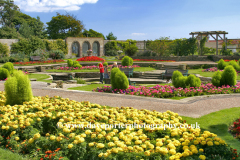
pixel 127 71
pixel 168 73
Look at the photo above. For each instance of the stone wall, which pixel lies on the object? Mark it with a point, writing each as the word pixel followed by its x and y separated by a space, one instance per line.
pixel 9 42
pixel 175 58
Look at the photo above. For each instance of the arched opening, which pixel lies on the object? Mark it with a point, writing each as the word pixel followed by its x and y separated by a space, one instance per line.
pixel 96 48
pixel 85 47
pixel 76 49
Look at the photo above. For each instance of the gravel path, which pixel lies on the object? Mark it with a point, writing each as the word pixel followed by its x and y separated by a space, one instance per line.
pixel 191 107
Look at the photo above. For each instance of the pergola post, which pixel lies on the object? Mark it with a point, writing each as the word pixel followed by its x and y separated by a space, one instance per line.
pixel 217 44
pixel 200 45
pixel 225 39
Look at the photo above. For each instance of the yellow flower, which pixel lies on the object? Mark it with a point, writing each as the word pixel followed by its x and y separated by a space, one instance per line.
pixel 91 144
pixel 147 153
pixel 202 157
pixel 81 140
pixel 172 151
pixel 70 146
pixel 201 150
pixel 87 131
pixel 52 138
pixel 31 140
pixel 100 145
pixel 210 143
pixel 16 138
pixel 100 155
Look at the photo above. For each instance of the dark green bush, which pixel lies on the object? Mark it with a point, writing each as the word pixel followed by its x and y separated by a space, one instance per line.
pixel 216 79
pixel 131 50
pixel 127 61
pixel 4 59
pixel 121 80
pixel 4 73
pixel 176 74
pixel 70 63
pixel 9 67
pixel 229 76
pixel 193 81
pixel 180 82
pixel 112 77
pixel 221 64
pixel 76 64
pixel 56 54
pixel 18 89
pixel 234 64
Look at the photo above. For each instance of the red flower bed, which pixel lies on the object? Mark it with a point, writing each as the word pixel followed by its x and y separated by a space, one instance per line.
pixel 153 60
pixel 235 129
pixel 90 58
pixel 226 60
pixel 38 62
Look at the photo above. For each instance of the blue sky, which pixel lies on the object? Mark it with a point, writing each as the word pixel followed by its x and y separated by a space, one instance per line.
pixel 143 19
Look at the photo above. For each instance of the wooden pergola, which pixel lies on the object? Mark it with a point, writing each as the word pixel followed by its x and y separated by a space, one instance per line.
pixel 212 33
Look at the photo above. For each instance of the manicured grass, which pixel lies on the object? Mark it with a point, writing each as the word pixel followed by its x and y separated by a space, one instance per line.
pixel 138 69
pixel 6 154
pixel 218 123
pixel 204 74
pixel 40 77
pixel 89 87
pixel 39 64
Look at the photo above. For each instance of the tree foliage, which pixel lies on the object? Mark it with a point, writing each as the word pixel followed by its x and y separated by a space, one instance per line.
pixel 92 33
pixel 4 50
pixel 63 26
pixel 159 46
pixel 110 36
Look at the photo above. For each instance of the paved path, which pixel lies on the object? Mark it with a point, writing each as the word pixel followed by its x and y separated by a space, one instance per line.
pixel 191 107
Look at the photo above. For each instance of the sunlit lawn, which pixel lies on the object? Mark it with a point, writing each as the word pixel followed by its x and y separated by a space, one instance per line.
pixel 40 77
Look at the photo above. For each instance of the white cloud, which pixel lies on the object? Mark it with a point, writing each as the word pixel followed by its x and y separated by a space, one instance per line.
pixel 51 5
pixel 138 34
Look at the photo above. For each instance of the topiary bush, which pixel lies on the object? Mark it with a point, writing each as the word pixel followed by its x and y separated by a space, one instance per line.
pixel 216 79
pixel 229 76
pixel 176 74
pixel 221 64
pixel 9 67
pixel 4 73
pixel 121 80
pixel 4 50
pixel 104 64
pixel 112 77
pixel 127 61
pixel 234 64
pixel 76 64
pixel 70 63
pixel 18 89
pixel 180 82
pixel 193 81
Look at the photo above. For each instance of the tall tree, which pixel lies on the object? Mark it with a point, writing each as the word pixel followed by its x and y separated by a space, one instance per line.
pixel 159 46
pixel 110 36
pixel 63 26
pixel 92 33
pixel 25 30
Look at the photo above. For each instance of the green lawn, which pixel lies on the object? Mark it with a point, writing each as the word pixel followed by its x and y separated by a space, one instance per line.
pixel 204 74
pixel 39 64
pixel 218 123
pixel 6 154
pixel 138 69
pixel 40 77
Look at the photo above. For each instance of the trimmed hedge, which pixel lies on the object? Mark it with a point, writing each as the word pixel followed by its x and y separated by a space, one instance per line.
pixel 216 79
pixel 4 73
pixel 9 67
pixel 127 61
pixel 229 76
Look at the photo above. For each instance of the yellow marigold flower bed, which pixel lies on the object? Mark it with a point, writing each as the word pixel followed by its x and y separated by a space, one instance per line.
pixel 54 127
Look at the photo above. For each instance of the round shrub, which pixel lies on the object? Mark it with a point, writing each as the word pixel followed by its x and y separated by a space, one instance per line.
pixel 127 61
pixel 176 74
pixel 229 76
pixel 216 79
pixel 70 63
pixel 234 64
pixel 9 67
pixel 193 81
pixel 76 64
pixel 18 89
pixel 180 82
pixel 104 64
pixel 4 73
pixel 121 80
pixel 221 64
pixel 112 77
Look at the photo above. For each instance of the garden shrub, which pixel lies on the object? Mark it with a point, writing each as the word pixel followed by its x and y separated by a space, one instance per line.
pixel 4 50
pixel 234 64
pixel 221 64
pixel 70 63
pixel 9 67
pixel 59 44
pixel 4 73
pixel 216 79
pixel 40 52
pixel 180 82
pixel 56 54
pixel 4 59
pixel 18 89
pixel 127 61
pixel 193 81
pixel 104 64
pixel 112 77
pixel 121 80
pixel 76 64
pixel 131 50
pixel 176 74
pixel 229 76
